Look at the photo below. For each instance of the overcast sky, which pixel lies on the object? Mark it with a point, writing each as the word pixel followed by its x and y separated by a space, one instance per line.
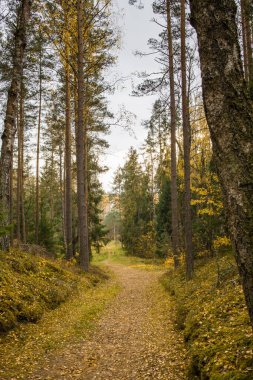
pixel 136 28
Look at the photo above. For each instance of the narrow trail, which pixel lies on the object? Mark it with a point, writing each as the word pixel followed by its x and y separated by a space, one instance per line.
pixel 134 339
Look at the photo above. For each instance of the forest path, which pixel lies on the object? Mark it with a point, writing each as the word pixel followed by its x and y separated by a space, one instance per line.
pixel 134 339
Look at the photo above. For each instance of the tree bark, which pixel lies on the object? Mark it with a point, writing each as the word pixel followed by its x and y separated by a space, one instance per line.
pixel 81 160
pixel 22 195
pixel 18 172
pixel 9 132
pixel 20 161
pixel 51 197
pixel 187 153
pixel 230 118
pixel 173 115
pixel 37 192
pixel 244 39
pixel 62 191
pixel 248 40
pixel 11 203
pixel 68 166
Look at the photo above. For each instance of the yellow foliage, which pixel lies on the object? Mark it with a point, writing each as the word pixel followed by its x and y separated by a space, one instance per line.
pixel 214 318
pixel 221 241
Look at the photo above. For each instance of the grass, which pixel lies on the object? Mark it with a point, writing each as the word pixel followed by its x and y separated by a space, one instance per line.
pixel 215 321
pixel 25 347
pixel 114 252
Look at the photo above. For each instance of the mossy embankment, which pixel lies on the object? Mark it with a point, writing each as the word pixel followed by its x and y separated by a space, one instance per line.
pixel 29 286
pixel 211 310
pixel 45 304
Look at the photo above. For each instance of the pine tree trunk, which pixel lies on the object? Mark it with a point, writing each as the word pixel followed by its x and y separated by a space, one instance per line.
pixel 68 167
pixel 160 142
pixel 18 236
pixel 20 163
pixel 9 132
pixel 187 153
pixel 244 39
pixel 51 189
pixel 174 195
pixel 75 226
pixel 230 118
pixel 62 191
pixel 80 144
pixel 248 38
pixel 86 190
pixel 37 192
pixel 153 210
pixel 22 195
pixel 11 203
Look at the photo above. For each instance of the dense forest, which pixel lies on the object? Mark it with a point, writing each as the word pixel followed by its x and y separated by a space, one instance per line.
pixel 45 168
pixel 184 198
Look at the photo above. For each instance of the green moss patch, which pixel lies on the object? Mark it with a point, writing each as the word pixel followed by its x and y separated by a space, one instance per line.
pixel 211 310
pixel 31 285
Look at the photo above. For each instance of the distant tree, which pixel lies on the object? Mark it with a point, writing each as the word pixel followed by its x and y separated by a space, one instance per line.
pixel 163 219
pixel 112 223
pixel 137 229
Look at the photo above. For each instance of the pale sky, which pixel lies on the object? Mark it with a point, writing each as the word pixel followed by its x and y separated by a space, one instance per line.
pixel 136 28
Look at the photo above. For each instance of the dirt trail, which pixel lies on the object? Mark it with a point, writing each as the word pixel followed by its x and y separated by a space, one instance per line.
pixel 134 340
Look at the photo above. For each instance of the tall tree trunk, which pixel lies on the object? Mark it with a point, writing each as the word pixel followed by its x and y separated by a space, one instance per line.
pixel 187 152
pixel 86 178
pixel 22 195
pixel 230 118
pixel 153 210
pixel 37 192
pixel 11 203
pixel 20 168
pixel 80 145
pixel 248 37
pixel 75 227
pixel 244 39
pixel 68 166
pixel 173 115
pixel 18 174
pixel 51 197
pixel 9 132
pixel 62 191
pixel 160 142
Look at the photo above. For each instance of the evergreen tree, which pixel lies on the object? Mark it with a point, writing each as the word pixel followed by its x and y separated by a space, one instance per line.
pixel 8 136
pixel 137 230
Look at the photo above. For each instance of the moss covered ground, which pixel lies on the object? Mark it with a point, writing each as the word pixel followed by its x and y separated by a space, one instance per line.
pixel 45 304
pixel 211 310
pixel 29 286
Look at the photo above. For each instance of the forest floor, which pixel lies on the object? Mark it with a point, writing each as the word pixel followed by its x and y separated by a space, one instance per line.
pixel 134 338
